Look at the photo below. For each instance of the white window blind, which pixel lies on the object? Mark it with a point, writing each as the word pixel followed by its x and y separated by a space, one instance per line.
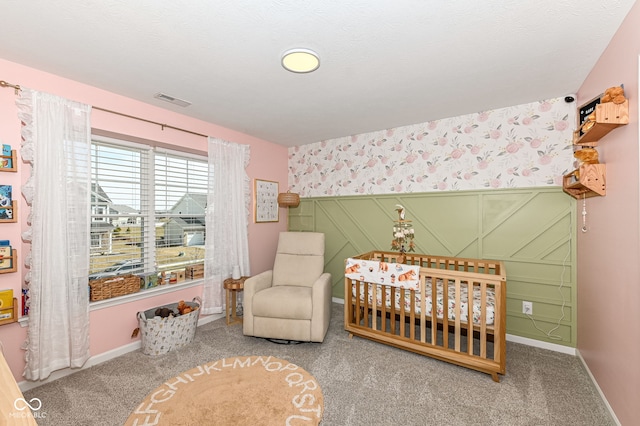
pixel 147 209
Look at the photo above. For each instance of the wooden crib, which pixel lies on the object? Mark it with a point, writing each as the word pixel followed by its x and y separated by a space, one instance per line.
pixel 437 325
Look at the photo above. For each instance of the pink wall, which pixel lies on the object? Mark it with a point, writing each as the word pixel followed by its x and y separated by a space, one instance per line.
pixel 609 253
pixel 111 328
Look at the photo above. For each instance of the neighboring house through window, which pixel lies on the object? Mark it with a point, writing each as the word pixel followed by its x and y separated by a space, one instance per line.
pixel 147 208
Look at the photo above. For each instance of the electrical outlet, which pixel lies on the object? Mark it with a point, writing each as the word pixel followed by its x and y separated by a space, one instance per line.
pixel 527 307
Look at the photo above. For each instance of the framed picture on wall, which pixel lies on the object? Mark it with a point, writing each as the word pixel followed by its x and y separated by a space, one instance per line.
pixel 265 201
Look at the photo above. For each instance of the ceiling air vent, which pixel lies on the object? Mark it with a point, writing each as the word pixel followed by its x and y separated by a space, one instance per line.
pixel 171 99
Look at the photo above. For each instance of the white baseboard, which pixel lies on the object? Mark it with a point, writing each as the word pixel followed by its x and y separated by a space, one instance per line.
pixel 595 383
pixel 26 385
pixel 540 344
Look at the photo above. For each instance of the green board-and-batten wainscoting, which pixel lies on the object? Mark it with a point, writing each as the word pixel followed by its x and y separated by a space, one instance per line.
pixel 532 230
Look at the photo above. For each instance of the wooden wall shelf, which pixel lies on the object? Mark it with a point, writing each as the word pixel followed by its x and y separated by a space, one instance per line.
pixel 14 262
pixel 14 313
pixel 14 213
pixel 14 164
pixel 590 183
pixel 608 117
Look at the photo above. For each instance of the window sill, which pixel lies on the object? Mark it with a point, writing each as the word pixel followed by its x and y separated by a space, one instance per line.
pixel 141 295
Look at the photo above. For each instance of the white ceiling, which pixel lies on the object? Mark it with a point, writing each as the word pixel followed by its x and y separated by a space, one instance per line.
pixel 384 63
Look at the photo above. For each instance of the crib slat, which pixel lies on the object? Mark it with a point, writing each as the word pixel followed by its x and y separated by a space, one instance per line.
pixel 457 311
pixel 469 317
pixel 483 319
pixel 402 313
pixel 412 314
pixel 423 309
pixel 374 306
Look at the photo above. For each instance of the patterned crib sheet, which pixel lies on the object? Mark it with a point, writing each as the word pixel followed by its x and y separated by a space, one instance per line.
pixel 490 301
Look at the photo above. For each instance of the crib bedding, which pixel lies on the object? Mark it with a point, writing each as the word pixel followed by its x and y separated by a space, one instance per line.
pixel 477 307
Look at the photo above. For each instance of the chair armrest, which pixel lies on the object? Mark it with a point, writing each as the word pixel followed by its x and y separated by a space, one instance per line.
pixel 252 285
pixel 321 305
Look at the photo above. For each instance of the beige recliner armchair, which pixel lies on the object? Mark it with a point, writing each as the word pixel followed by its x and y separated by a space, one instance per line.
pixel 293 301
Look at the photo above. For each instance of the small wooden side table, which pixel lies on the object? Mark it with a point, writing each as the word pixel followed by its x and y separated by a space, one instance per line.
pixel 232 287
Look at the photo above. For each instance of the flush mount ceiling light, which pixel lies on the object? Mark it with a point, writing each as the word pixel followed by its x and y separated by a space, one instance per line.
pixel 300 60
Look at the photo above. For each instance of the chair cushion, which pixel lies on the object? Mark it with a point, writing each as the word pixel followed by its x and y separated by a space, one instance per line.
pixel 289 302
pixel 299 259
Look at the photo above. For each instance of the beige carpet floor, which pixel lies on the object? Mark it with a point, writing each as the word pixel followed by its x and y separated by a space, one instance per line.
pixel 363 383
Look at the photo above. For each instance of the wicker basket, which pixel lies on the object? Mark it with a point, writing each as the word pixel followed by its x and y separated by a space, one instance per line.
pixel 161 335
pixel 106 288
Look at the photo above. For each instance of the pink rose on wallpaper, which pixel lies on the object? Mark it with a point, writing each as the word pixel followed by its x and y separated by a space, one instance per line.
pixel 513 147
pixel 329 157
pixel 419 136
pixel 390 132
pixel 545 159
pixel 310 169
pixel 398 147
pixel 483 116
pixel 474 149
pixel 535 143
pixel 469 175
pixel 354 138
pixel 432 125
pixel 296 148
pixel 379 142
pixel 349 163
pixel 483 164
pixel 561 125
pixel 545 106
pixel 360 152
pixel 512 120
pixel 426 155
pixel 338 166
pixel 329 191
pixel 372 162
pixel 397 188
pixel 527 172
pixel 469 129
pixel 411 158
pixel 319 166
pixel 457 153
pixel 323 144
pixel 442 141
pixel 419 179
pixel 384 159
pixel 495 133
pixel 442 185
pixel 380 181
pixel 495 183
pixel 390 171
pixel 432 168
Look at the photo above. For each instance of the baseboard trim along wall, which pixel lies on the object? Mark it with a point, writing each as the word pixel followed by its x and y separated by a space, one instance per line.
pixel 26 385
pixel 595 383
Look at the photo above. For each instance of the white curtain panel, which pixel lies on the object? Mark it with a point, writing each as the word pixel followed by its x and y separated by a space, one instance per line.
pixel 56 142
pixel 227 243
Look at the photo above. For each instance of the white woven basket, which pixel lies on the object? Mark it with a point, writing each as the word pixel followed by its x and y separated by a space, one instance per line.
pixel 161 335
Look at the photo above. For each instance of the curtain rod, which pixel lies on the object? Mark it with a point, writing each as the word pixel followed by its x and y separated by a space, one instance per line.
pixel 14 86
pixel 17 88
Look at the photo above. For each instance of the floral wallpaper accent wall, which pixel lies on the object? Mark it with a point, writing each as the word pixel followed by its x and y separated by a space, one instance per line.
pixel 522 146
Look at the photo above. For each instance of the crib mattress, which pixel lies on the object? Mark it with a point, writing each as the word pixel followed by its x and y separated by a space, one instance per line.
pixel 477 307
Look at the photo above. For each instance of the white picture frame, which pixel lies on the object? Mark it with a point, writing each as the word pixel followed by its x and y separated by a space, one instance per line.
pixel 265 201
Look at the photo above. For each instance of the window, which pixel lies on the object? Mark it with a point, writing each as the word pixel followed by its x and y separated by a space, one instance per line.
pixel 147 208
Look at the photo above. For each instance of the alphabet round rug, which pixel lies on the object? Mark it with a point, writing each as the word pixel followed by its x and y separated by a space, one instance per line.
pixel 254 390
